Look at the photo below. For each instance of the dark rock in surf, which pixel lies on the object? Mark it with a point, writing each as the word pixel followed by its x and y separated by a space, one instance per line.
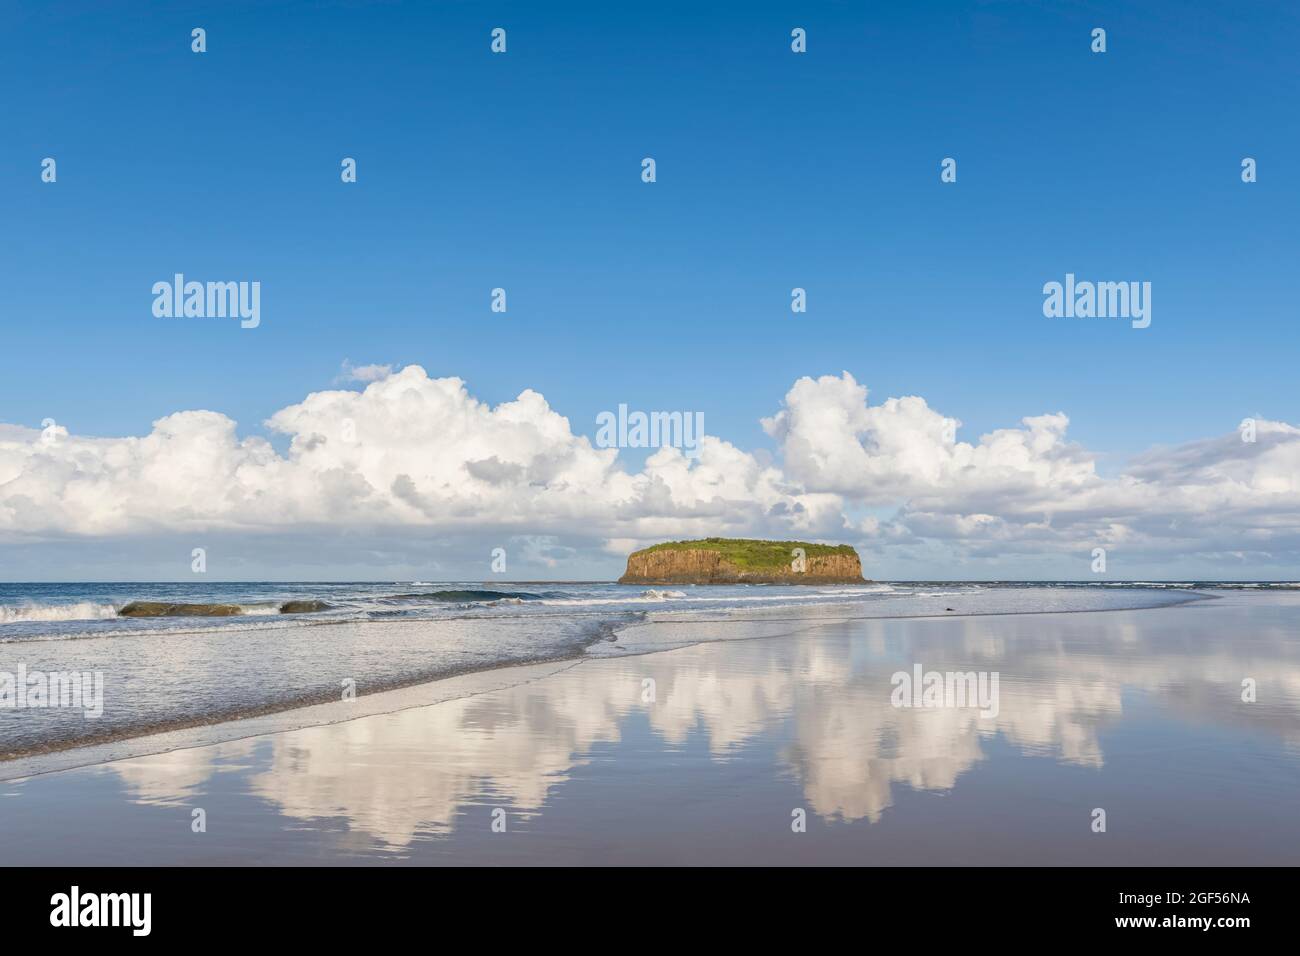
pixel 163 609
pixel 305 607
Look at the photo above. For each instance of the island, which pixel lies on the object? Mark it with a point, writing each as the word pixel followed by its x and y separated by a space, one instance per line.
pixel 743 561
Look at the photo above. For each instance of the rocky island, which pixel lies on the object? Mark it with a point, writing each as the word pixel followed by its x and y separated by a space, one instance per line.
pixel 743 561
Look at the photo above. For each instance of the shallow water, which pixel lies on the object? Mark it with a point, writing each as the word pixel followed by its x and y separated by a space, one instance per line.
pixel 1138 713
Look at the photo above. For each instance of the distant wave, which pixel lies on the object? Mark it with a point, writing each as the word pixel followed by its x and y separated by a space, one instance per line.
pixel 654 596
pixel 1252 585
pixel 83 611
pixel 470 596
pixel 1204 585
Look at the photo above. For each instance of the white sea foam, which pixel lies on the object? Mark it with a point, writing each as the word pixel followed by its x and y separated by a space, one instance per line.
pixel 82 611
pixel 255 609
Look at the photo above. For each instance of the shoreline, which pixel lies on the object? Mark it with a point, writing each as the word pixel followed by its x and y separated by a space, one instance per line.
pixel 388 701
pixel 424 691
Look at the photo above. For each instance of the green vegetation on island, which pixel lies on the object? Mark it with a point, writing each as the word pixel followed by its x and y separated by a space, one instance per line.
pixel 743 561
pixel 753 554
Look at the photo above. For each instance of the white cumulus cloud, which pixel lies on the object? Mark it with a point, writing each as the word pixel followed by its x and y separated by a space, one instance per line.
pixel 410 453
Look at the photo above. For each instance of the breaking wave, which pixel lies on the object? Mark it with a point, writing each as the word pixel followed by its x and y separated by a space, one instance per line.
pixel 82 611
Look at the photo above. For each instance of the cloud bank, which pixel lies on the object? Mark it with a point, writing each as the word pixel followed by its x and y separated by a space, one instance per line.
pixel 413 454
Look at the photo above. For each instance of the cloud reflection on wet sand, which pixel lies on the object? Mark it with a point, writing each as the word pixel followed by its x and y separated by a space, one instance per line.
pixel 823 698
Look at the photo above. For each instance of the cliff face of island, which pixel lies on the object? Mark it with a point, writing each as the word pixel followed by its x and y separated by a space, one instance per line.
pixel 743 561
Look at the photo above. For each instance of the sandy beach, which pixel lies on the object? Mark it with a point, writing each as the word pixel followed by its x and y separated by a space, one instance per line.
pixel 714 753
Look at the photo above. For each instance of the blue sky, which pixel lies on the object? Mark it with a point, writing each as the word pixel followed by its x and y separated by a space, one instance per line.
pixel 775 170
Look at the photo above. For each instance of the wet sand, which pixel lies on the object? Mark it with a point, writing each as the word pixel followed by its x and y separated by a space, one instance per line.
pixel 707 754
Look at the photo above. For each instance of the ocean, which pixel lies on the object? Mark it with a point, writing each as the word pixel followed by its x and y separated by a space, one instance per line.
pixel 168 673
